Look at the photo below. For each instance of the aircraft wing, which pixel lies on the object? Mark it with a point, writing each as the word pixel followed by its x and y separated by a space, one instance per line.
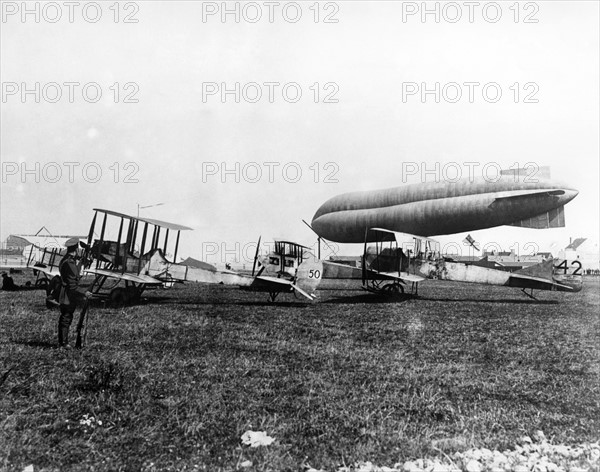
pixel 49 271
pixel 402 276
pixel 278 284
pixel 539 283
pixel 140 279
pixel 162 224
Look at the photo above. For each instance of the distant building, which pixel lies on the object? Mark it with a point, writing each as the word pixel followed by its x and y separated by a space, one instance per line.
pixel 14 245
pixel 503 260
pixel 511 258
pixel 465 259
pixel 585 251
pixel 17 249
pixel 191 262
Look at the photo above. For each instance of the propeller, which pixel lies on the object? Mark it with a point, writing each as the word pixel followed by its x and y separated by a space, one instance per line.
pixel 256 256
pixel 319 239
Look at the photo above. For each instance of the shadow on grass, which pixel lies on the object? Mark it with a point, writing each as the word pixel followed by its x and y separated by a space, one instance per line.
pixel 173 301
pixel 519 301
pixel 42 344
pixel 241 303
pixel 372 299
pixel 386 299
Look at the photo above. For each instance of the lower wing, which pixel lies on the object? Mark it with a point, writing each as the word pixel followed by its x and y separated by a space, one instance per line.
pixel 275 284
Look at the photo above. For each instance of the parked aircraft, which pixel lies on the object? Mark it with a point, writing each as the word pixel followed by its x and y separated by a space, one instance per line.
pixel 134 256
pixel 394 261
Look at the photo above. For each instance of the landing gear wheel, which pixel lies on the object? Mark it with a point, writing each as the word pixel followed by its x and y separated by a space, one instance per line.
pixel 42 283
pixel 393 289
pixel 119 297
pixel 133 294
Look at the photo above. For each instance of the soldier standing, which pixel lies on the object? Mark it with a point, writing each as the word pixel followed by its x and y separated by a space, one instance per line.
pixel 71 294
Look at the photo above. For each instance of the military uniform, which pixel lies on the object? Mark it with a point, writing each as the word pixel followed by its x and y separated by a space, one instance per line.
pixel 71 295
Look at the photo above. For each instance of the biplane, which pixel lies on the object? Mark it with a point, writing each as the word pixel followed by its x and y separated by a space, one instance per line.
pixel 116 255
pixel 397 259
pixel 290 267
pixel 125 255
pixel 386 266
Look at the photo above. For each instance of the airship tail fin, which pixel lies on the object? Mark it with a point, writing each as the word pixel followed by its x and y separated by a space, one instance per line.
pixel 554 218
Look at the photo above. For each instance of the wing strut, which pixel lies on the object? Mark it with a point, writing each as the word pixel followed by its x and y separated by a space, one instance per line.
pixel 176 247
pixel 319 239
pixel 119 241
pixel 256 256
pixel 143 246
pixel 101 237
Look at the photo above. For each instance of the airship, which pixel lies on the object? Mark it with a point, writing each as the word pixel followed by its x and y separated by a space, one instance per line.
pixel 439 208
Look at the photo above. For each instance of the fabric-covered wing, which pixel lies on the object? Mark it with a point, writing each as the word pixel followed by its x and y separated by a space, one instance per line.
pixel 275 284
pixel 162 224
pixel 402 276
pixel 49 271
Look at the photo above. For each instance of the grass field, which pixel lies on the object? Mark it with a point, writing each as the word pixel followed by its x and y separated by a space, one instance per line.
pixel 172 384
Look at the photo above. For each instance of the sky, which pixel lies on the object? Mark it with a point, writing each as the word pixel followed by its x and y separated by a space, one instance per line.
pixel 135 105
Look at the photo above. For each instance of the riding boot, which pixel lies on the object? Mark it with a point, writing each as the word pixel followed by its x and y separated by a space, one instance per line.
pixel 64 323
pixel 64 335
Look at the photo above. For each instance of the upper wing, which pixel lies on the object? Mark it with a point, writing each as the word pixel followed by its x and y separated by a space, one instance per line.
pixel 162 224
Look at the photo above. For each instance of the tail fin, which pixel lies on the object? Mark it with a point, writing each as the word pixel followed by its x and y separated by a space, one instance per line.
pixel 568 273
pixel 544 269
pixel 309 275
pixel 554 218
